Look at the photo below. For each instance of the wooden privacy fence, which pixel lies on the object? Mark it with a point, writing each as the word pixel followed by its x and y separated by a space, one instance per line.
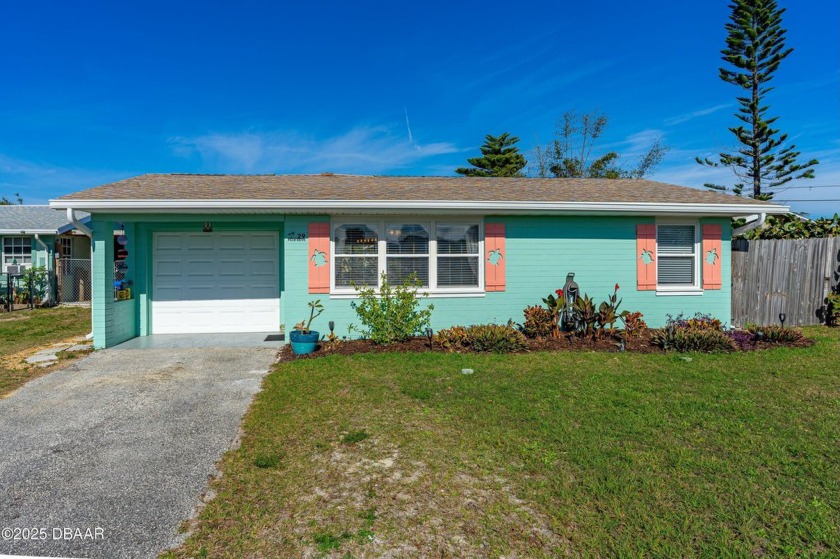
pixel 783 276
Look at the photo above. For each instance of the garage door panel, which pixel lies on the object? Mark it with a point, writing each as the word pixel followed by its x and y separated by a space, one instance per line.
pixel 200 268
pixel 215 282
pixel 232 242
pixel 232 268
pixel 168 241
pixel 200 242
pixel 264 268
pixel 264 242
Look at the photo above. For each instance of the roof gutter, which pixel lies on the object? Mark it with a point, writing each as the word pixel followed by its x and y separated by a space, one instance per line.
pixel 754 222
pixel 484 207
pixel 27 231
pixel 71 217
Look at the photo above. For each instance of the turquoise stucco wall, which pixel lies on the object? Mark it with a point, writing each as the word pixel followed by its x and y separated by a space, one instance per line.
pixel 601 251
pixel 113 321
pixel 541 250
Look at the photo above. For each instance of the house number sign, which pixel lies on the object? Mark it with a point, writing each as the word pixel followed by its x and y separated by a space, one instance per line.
pixel 296 236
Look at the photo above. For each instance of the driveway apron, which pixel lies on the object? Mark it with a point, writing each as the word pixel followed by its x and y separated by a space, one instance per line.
pixel 109 456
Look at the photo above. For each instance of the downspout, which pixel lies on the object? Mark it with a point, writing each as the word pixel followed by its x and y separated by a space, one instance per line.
pixel 71 217
pixel 49 259
pixel 758 221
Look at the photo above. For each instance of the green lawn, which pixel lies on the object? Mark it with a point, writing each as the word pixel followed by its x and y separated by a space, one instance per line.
pixel 537 455
pixel 22 330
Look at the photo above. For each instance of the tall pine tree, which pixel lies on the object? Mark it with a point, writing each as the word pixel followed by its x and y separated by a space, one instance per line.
pixel 755 46
pixel 499 158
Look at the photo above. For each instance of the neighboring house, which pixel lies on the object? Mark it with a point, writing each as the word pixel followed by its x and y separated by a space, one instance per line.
pixel 234 253
pixel 38 236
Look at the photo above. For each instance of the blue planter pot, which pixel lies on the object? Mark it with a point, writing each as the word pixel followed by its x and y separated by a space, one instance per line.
pixel 303 344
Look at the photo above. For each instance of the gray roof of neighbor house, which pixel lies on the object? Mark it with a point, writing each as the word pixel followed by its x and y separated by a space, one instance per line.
pixel 331 192
pixel 16 219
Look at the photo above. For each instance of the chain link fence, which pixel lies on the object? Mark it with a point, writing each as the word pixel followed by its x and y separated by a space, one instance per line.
pixel 26 290
pixel 73 279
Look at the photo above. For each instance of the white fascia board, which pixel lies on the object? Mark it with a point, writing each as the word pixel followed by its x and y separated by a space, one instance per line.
pixel 27 231
pixel 330 206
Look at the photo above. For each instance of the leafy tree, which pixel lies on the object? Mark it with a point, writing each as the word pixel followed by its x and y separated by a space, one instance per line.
pixel 792 226
pixel 499 158
pixel 569 155
pixel 755 46
pixel 6 202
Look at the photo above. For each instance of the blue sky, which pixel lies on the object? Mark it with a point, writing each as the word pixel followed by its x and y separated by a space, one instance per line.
pixel 98 91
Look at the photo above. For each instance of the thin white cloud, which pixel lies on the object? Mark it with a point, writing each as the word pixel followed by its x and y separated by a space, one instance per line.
pixel 695 114
pixel 37 182
pixel 364 150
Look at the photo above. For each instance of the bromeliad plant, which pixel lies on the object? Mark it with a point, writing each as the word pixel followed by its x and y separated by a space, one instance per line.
pixel 608 312
pixel 555 305
pixel 304 325
pixel 586 316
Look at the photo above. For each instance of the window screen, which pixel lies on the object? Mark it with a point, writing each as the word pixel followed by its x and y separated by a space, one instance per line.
pixel 676 251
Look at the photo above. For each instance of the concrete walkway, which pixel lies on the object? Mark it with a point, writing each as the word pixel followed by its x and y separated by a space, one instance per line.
pixel 107 457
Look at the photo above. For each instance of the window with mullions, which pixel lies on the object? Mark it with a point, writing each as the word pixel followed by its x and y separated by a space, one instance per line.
pixel 676 249
pixel 356 255
pixel 444 255
pixel 457 255
pixel 407 252
pixel 17 250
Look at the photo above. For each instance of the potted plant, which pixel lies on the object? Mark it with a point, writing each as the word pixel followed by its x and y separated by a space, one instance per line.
pixel 304 339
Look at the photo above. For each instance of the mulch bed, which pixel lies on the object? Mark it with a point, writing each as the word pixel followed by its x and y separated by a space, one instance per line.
pixel 607 344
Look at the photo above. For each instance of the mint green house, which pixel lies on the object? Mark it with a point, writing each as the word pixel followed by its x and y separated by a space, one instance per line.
pixel 176 254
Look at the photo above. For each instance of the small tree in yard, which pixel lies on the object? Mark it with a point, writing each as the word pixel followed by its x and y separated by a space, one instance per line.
pixel 755 46
pixel 393 314
pixel 499 158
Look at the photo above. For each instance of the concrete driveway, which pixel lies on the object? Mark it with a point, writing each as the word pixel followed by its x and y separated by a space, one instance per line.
pixel 109 456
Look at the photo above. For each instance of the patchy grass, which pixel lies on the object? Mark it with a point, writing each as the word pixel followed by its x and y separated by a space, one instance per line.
pixel 21 331
pixel 537 455
pixel 354 437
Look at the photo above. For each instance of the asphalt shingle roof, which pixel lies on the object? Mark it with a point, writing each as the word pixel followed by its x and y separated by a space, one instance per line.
pixel 328 187
pixel 32 218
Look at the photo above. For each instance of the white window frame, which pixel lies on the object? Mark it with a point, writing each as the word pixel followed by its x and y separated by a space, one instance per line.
pixel 26 242
pixel 696 288
pixel 381 223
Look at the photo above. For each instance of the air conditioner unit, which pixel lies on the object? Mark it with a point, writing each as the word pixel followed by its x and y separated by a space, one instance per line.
pixel 15 269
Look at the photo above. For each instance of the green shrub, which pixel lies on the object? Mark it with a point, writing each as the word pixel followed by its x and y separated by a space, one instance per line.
pixel 776 334
pixel 539 322
pixel 496 338
pixel 832 309
pixel 686 339
pixel 634 324
pixel 392 314
pixel 452 339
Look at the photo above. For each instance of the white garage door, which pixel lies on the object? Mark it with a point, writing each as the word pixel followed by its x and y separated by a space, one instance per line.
pixel 215 282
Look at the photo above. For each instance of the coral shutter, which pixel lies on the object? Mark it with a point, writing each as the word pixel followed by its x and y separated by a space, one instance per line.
pixel 495 256
pixel 712 247
pixel 646 257
pixel 319 257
